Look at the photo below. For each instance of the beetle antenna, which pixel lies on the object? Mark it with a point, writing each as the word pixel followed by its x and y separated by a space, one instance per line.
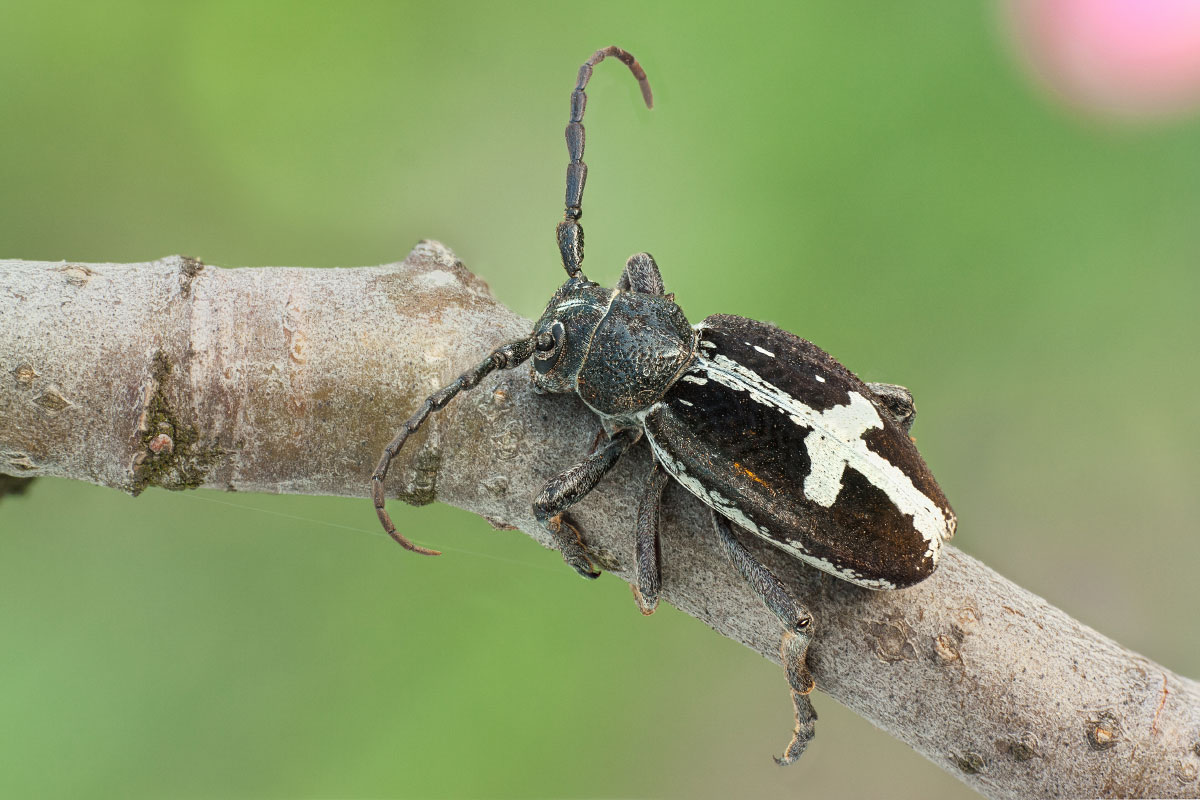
pixel 570 232
pixel 510 355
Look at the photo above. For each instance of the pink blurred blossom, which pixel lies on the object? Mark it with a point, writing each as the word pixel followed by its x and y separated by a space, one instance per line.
pixel 1123 58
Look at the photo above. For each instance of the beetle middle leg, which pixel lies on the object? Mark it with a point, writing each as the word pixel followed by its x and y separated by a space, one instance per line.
pixel 797 632
pixel 898 400
pixel 568 488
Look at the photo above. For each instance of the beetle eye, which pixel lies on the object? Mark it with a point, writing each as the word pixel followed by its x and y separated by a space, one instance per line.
pixel 545 359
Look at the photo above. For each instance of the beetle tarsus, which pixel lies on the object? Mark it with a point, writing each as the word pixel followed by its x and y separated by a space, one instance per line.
pixel 571 545
pixel 898 401
pixel 802 733
pixel 793 652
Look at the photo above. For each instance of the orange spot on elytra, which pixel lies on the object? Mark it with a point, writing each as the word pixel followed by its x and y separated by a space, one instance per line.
pixel 751 475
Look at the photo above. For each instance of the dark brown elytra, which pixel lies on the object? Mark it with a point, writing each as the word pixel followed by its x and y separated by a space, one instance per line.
pixel 767 429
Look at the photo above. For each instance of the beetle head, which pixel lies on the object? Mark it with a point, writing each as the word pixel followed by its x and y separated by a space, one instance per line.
pixel 570 319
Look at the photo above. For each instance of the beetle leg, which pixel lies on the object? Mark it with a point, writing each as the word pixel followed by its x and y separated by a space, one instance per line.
pixel 792 652
pixel 601 437
pixel 897 400
pixel 797 632
pixel 649 575
pixel 641 275
pixel 793 615
pixel 568 488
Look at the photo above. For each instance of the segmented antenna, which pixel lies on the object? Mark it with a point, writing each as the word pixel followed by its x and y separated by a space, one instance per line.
pixel 510 355
pixel 570 233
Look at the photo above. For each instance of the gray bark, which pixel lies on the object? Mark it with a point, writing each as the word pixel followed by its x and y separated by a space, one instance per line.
pixel 176 374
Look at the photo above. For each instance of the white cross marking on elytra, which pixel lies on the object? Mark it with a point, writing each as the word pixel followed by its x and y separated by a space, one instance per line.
pixel 835 442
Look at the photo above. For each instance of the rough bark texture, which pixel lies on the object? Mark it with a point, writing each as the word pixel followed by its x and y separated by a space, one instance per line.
pixel 292 380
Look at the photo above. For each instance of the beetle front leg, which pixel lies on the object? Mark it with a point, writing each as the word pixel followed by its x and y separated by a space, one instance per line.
pixel 641 275
pixel 797 633
pixel 567 489
pixel 649 577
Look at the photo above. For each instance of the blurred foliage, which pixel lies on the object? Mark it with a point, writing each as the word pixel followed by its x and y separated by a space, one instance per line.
pixel 881 180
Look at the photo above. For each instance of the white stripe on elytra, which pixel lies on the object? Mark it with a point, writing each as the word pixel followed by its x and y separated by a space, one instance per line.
pixel 728 509
pixel 835 441
pixel 711 498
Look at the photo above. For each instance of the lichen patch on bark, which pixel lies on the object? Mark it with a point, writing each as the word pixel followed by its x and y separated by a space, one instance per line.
pixel 970 762
pixel 189 268
pixel 424 485
pixel 183 465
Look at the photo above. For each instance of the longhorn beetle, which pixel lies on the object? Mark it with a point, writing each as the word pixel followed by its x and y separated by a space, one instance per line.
pixel 767 429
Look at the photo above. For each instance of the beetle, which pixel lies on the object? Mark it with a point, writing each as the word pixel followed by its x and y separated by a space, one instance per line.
pixel 767 429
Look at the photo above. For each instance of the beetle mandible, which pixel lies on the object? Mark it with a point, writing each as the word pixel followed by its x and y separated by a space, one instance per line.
pixel 767 429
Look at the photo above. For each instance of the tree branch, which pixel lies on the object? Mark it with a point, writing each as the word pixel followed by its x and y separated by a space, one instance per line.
pixel 292 380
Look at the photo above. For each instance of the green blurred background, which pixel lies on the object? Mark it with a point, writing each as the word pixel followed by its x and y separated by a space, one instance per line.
pixel 882 180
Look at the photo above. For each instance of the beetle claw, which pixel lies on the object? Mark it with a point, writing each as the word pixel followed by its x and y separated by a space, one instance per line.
pixel 585 569
pixel 574 551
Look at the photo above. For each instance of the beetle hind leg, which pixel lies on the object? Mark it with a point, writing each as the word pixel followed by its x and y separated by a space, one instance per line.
pixel 797 633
